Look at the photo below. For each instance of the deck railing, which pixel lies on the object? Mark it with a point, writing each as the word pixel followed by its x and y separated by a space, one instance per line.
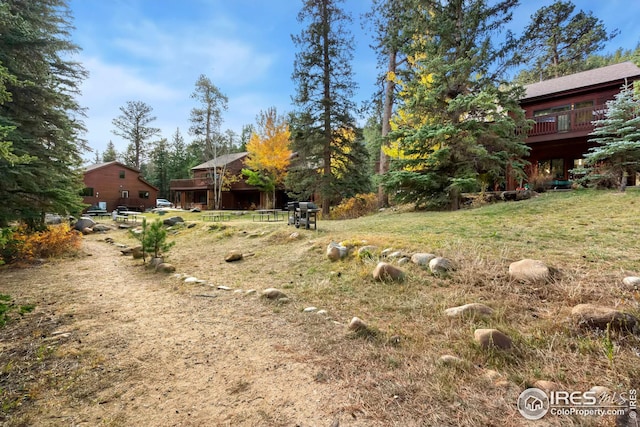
pixel 578 120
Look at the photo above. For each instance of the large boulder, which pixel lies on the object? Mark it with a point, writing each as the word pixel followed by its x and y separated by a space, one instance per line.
pixel 101 228
pixel 422 259
pixel 439 265
pixel 385 271
pixel 336 251
pixel 632 283
pixel 530 271
pixel 171 221
pixel 598 317
pixel 233 255
pixel 488 338
pixel 473 309
pixel 84 223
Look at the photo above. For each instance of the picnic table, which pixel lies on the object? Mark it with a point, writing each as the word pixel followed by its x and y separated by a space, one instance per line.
pixel 127 216
pixel 216 216
pixel 269 215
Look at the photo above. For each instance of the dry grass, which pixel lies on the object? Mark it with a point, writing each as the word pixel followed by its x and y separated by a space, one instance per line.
pixel 589 237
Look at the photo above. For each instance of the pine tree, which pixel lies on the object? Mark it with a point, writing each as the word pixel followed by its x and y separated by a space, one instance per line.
pixel 43 119
pixel 559 41
pixel 325 87
pixel 457 126
pixel 618 139
pixel 110 154
pixel 159 167
pixel 133 124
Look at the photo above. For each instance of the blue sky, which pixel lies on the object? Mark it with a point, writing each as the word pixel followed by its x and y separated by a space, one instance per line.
pixel 154 50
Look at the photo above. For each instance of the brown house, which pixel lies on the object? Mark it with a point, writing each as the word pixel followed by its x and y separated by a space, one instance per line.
pixel 112 184
pixel 563 110
pixel 197 192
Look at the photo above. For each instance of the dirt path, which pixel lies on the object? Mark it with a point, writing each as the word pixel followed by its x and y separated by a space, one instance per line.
pixel 135 348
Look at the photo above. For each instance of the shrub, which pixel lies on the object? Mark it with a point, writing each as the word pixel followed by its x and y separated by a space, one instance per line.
pixel 355 207
pixel 18 244
pixel 153 238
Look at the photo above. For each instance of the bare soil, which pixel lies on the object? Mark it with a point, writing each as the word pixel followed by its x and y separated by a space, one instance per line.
pixel 110 343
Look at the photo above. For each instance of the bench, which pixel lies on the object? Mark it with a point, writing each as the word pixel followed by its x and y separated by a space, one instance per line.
pixel 269 215
pixel 216 217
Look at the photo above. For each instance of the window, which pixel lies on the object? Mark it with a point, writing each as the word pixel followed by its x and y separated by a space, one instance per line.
pixel 124 194
pixel 585 116
pixel 552 168
pixel 121 174
pixel 143 194
pixel 87 192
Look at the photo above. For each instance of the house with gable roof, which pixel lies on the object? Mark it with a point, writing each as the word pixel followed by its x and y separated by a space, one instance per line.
pixel 563 110
pixel 112 184
pixel 197 192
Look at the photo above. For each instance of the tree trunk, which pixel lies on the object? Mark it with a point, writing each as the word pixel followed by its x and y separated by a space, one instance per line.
pixel 326 154
pixel 383 197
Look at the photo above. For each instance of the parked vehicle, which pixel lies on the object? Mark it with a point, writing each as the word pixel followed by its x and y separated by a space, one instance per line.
pixel 163 203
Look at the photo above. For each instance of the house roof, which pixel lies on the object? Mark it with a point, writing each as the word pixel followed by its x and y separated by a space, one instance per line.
pixel 96 166
pixel 220 161
pixel 102 165
pixel 598 76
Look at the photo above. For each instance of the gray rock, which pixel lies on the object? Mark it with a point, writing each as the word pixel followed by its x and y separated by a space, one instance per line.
pixel 469 309
pixel 250 292
pixel 632 283
pixel 233 256
pixel 51 219
pixel 310 309
pixel 529 271
pixel 101 228
pixel 223 288
pixel 273 293
pixel 84 223
pixel 597 317
pixel 191 279
pixel 357 324
pixel 335 251
pixel 385 252
pixel 171 221
pixel 488 338
pixel 322 312
pixel 422 258
pixel 156 261
pixel 137 252
pixel 385 271
pixel 404 260
pixel 394 255
pixel 439 265
pixel 294 235
pixel 165 268
pixel 87 230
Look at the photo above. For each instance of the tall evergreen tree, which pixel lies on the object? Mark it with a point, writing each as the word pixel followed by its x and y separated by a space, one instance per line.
pixel 133 124
pixel 180 162
pixel 110 154
pixel 159 167
pixel 43 119
pixel 558 42
pixel 618 138
pixel 389 19
pixel 458 123
pixel 325 87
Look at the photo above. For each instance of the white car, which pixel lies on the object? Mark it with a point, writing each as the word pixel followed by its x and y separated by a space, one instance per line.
pixel 163 203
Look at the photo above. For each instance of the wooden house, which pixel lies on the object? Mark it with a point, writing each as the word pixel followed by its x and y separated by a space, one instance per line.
pixel 197 192
pixel 112 184
pixel 563 110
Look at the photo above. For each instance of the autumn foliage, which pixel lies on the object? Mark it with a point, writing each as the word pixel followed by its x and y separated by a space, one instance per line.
pixel 355 207
pixel 19 245
pixel 269 153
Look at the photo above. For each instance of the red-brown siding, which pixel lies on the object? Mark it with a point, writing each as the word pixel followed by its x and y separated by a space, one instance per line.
pixel 108 187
